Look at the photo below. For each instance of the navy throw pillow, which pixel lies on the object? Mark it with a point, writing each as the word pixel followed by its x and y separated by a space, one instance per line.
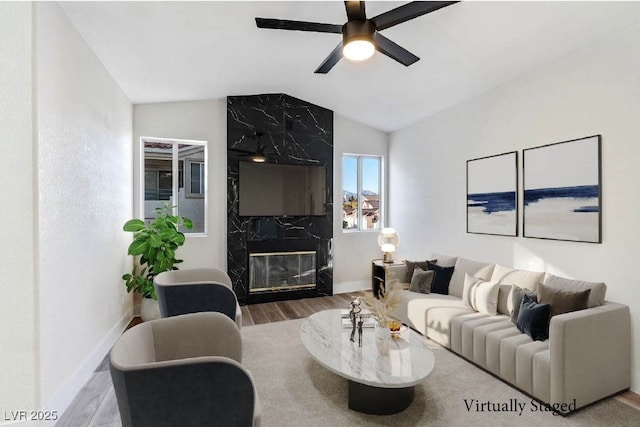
pixel 533 319
pixel 442 276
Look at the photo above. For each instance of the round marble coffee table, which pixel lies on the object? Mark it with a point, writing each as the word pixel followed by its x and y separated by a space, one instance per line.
pixel 381 379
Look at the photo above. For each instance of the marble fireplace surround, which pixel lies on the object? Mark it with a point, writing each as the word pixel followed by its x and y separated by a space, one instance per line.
pixel 295 132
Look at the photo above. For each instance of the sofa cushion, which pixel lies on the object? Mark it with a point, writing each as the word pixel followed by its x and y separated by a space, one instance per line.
pixel 598 289
pixel 508 276
pixel 421 281
pixel 468 331
pixel 463 266
pixel 516 295
pixel 410 267
pixel 562 301
pixel 440 284
pixel 533 319
pixel 430 314
pixel 486 297
pixel 504 294
pixel 521 278
pixel 480 335
pixel 445 260
pixel 455 329
pixel 492 344
pixel 508 348
pixel 469 291
pixel 524 363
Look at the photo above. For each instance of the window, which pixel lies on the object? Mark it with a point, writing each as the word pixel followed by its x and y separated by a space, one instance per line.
pixel 361 192
pixel 175 172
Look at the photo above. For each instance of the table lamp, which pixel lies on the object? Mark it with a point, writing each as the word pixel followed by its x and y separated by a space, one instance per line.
pixel 388 242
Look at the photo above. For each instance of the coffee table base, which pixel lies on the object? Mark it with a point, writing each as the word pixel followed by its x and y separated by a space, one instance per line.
pixel 378 400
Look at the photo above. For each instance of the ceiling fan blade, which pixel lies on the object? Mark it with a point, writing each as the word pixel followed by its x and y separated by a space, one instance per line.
pixel 283 24
pixel 406 12
pixel 394 51
pixel 330 60
pixel 355 10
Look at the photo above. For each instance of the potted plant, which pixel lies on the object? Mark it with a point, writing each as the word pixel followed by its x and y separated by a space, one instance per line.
pixel 156 244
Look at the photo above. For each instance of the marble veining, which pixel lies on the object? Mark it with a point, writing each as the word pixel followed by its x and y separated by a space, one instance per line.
pixel 408 361
pixel 293 132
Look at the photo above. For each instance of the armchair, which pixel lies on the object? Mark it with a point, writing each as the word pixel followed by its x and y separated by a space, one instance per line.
pixel 183 370
pixel 195 290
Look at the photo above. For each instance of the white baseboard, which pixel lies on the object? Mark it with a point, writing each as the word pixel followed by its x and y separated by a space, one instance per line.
pixel 65 395
pixel 358 285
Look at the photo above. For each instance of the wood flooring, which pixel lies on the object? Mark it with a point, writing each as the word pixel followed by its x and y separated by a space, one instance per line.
pixel 96 405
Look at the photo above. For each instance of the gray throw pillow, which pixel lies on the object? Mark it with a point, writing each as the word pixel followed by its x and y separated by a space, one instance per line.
pixel 516 299
pixel 421 281
pixel 411 265
pixel 562 301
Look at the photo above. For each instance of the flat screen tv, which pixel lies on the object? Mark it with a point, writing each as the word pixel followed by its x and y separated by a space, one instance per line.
pixel 269 189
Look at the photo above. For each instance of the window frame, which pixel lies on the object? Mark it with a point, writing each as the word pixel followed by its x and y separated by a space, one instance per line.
pixel 381 196
pixel 175 171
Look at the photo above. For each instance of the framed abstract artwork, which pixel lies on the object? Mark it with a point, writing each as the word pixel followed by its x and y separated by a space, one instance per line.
pixel 563 192
pixel 492 195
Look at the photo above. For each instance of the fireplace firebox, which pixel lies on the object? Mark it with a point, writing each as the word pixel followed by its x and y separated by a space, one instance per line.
pixel 282 271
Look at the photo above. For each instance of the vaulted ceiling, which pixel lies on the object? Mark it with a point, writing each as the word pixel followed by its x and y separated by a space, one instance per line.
pixel 177 51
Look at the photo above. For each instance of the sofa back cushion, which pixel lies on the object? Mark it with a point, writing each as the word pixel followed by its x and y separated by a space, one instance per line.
pixel 445 260
pixel 598 289
pixel 482 270
pixel 507 276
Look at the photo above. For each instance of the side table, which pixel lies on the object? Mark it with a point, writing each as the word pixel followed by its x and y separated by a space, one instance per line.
pixel 379 274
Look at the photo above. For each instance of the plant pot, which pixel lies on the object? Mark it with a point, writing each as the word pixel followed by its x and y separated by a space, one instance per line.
pixel 149 309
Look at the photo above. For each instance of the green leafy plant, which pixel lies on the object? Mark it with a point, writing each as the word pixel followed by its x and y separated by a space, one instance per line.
pixel 156 245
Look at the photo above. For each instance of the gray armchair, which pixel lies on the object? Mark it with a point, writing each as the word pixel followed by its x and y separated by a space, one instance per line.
pixel 195 290
pixel 183 371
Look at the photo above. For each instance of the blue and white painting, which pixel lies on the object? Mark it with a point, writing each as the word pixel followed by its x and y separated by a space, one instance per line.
pixel 562 191
pixel 492 202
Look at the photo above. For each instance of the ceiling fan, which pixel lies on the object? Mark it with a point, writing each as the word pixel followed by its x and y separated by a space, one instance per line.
pixel 361 35
pixel 258 156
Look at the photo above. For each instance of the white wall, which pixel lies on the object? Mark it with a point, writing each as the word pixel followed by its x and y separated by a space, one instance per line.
pixel 207 120
pixel 18 326
pixel 85 195
pixel 194 120
pixel 593 91
pixel 354 251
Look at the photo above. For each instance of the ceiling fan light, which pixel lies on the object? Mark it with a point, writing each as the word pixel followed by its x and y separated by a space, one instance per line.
pixel 358 49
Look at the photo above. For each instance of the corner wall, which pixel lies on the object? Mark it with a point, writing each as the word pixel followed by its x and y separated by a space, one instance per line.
pixel 354 251
pixel 84 166
pixel 593 91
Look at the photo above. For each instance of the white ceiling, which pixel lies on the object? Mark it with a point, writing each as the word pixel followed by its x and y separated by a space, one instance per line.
pixel 176 51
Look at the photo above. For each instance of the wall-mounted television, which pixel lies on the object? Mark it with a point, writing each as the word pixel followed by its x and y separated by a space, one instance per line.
pixel 269 189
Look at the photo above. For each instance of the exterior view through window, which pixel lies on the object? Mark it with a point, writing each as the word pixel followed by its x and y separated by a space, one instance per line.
pixel 361 192
pixel 175 173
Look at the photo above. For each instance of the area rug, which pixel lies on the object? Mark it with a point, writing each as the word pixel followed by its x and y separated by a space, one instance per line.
pixel 295 390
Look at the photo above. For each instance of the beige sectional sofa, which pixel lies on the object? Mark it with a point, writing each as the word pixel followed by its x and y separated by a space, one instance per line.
pixel 586 358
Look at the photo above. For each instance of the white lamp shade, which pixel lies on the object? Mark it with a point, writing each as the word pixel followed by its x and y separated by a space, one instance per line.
pixel 389 236
pixel 388 247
